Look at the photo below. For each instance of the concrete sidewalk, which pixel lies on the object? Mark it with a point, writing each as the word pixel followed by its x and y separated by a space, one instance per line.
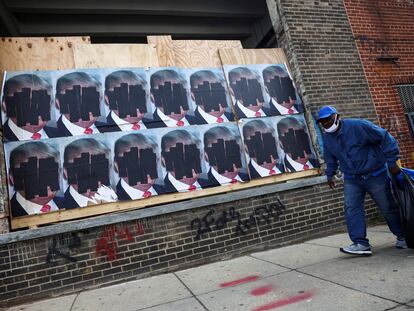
pixel 308 276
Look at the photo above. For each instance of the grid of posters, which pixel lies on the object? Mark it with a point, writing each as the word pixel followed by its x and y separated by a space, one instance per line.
pixel 76 138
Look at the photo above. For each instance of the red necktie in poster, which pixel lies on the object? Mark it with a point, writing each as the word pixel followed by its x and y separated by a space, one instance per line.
pixel 88 131
pixel 36 136
pixel 45 208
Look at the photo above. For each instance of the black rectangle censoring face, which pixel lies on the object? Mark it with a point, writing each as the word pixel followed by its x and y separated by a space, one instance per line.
pixel 88 171
pixel 171 97
pixel 35 176
pixel 183 159
pixel 28 105
pixel 79 102
pixel 262 147
pixel 137 165
pixel 249 91
pixel 127 99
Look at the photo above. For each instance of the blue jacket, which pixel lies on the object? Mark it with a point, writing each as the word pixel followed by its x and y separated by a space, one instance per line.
pixel 360 147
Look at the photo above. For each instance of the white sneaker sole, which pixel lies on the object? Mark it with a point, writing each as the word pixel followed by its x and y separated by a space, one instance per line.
pixel 361 253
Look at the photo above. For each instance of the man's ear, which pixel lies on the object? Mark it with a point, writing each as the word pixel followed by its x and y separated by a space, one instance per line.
pixel 192 96
pixel 4 106
pixel 281 145
pixel 57 104
pixel 206 157
pixel 231 92
pixel 152 98
pixel 246 150
pixel 65 173
pixel 116 167
pixel 11 179
pixel 106 100
pixel 163 161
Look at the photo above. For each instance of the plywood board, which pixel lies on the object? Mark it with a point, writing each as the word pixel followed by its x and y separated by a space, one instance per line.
pixel 115 55
pixel 252 56
pixel 49 53
pixel 201 53
pixel 165 49
pixel 52 217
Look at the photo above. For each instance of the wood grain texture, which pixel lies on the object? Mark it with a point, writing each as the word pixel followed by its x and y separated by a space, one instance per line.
pixel 53 217
pixel 115 55
pixel 201 53
pixel 252 56
pixel 165 49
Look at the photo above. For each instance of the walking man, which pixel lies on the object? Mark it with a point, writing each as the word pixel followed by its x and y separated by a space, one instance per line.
pixel 363 152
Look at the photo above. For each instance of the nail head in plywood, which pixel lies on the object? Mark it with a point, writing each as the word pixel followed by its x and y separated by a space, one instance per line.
pixel 114 55
pixel 37 53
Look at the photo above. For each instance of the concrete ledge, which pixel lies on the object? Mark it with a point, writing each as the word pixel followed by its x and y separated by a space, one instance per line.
pixel 156 210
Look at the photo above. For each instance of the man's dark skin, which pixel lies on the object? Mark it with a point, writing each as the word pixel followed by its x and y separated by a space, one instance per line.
pixel 327 123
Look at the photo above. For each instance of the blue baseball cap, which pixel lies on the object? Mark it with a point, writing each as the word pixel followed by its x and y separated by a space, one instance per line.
pixel 326 112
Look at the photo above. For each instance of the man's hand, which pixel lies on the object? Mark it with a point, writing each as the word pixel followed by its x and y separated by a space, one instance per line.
pixel 395 170
pixel 331 184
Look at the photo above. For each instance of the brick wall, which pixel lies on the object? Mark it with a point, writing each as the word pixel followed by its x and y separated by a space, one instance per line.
pixel 386 28
pixel 73 261
pixel 317 38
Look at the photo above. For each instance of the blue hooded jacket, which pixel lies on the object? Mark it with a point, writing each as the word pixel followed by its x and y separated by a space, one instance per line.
pixel 359 147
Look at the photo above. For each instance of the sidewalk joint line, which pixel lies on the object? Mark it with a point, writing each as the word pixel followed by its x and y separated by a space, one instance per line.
pixel 196 298
pixel 163 303
pixel 348 287
pixel 77 295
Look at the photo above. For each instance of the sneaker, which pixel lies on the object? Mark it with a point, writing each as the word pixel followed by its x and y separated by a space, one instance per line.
pixel 357 249
pixel 400 243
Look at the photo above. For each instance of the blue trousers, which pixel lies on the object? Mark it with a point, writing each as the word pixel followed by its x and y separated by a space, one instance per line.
pixel 380 191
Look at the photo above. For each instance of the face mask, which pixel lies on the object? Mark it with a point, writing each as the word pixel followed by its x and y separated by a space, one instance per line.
pixel 333 127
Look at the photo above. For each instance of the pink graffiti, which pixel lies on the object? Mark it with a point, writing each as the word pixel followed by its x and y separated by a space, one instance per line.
pixel 285 301
pixel 240 281
pixel 261 290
